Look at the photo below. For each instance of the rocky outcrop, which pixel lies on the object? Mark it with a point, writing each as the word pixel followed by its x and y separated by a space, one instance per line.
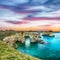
pixel 20 37
pixel 48 33
pixel 13 38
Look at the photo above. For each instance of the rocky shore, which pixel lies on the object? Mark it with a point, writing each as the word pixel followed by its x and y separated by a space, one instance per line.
pixel 21 37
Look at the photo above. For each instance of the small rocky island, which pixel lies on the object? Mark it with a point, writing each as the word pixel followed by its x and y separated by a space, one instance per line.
pixel 48 34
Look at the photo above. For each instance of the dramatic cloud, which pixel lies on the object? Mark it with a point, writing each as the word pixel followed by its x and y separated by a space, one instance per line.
pixel 29 13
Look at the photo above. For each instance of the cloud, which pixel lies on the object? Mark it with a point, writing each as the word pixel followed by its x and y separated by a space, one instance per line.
pixel 6 14
pixel 20 1
pixel 12 2
pixel 49 14
pixel 4 24
pixel 43 8
pixel 29 13
pixel 17 22
pixel 18 25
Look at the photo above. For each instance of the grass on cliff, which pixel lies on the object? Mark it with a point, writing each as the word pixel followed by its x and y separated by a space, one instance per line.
pixel 9 53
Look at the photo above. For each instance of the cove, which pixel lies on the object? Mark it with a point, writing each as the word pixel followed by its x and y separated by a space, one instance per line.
pixel 48 51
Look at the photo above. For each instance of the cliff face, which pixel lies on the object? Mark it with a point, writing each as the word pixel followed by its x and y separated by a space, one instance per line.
pixel 21 37
pixel 9 53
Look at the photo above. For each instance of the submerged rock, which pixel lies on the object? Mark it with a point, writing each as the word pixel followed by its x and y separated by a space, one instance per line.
pixel 41 42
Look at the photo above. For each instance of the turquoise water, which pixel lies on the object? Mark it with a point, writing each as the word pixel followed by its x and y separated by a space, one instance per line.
pixel 48 51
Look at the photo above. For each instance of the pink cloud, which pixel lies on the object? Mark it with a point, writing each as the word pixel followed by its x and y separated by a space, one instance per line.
pixel 17 22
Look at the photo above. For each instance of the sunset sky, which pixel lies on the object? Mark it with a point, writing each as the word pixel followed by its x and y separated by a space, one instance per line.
pixel 25 15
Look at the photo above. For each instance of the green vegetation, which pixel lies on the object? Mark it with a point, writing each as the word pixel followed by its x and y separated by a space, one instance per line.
pixel 9 53
pixel 3 34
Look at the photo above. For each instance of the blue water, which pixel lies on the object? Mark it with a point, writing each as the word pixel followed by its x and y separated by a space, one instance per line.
pixel 48 51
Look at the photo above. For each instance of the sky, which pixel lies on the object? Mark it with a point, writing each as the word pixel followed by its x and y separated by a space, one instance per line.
pixel 25 15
